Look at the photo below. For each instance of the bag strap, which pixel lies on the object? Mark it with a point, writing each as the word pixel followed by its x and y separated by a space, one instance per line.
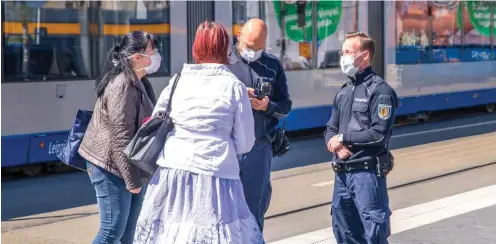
pixel 137 122
pixel 174 85
pixel 168 105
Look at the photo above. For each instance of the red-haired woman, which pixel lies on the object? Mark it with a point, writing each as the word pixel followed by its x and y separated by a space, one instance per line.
pixel 196 195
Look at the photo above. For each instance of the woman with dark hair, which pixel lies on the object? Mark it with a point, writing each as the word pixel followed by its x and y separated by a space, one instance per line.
pixel 196 195
pixel 124 98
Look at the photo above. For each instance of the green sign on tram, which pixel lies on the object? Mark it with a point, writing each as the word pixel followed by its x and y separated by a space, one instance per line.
pixel 479 13
pixel 328 17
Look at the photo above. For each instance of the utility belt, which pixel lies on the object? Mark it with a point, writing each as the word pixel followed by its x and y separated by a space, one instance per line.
pixel 382 164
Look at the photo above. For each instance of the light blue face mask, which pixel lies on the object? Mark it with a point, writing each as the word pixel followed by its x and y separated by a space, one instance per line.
pixel 251 55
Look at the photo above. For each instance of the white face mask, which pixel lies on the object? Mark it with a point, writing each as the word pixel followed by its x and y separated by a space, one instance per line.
pixel 154 66
pixel 348 65
pixel 251 55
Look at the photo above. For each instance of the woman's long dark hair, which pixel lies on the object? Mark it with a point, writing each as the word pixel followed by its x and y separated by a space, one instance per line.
pixel 133 42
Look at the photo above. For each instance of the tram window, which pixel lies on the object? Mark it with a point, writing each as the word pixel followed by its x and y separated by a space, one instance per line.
pixel 239 16
pixel 444 28
pixel 334 20
pixel 340 19
pixel 460 31
pixel 122 17
pixel 477 28
pixel 285 36
pixel 444 24
pixel 44 41
pixel 244 10
pixel 411 31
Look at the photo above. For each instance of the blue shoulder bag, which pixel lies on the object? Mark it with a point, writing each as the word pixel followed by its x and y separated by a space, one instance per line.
pixel 69 153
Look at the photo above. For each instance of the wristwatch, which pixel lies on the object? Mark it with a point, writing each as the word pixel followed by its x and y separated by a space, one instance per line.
pixel 340 138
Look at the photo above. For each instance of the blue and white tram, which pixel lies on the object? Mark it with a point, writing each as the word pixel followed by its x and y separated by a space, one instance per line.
pixel 438 55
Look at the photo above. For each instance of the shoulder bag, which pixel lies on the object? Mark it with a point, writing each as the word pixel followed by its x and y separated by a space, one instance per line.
pixel 144 149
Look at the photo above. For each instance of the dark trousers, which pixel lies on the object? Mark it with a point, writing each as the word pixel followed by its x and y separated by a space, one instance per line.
pixel 255 177
pixel 360 208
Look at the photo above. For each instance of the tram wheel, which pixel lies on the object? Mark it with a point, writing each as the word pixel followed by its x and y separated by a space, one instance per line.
pixel 490 108
pixel 32 169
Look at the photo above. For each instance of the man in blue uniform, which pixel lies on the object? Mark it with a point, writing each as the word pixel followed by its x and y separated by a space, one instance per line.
pixel 358 134
pixel 264 76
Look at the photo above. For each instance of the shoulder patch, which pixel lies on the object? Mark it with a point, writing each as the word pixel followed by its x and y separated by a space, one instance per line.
pixel 384 111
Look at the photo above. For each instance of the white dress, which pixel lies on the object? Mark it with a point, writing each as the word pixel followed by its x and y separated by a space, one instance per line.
pixel 196 196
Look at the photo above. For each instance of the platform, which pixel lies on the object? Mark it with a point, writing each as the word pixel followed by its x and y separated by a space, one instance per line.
pixel 301 199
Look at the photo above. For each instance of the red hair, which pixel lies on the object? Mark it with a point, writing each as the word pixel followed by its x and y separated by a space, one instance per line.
pixel 211 43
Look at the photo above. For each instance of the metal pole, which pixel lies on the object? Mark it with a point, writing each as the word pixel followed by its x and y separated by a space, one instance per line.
pixel 304 34
pixel 38 17
pixel 25 41
pixel 430 28
pixel 462 28
pixel 376 29
pixel 315 29
pixel 283 31
pixel 491 26
pixel 355 27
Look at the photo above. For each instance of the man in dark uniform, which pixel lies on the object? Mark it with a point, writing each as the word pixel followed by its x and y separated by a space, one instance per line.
pixel 255 69
pixel 358 134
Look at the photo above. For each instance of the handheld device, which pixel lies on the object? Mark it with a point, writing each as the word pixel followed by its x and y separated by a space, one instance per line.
pixel 262 88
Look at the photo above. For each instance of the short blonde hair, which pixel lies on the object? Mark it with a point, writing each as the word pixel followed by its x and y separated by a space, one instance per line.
pixel 366 42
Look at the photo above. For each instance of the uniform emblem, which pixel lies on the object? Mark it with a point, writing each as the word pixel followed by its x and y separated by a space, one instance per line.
pixel 384 111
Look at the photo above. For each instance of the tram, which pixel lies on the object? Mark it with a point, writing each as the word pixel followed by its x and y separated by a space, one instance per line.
pixel 437 55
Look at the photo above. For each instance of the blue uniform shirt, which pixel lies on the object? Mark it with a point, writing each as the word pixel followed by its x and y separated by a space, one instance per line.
pixel 364 112
pixel 269 69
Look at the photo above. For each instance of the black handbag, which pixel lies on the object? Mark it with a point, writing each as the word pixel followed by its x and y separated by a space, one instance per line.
pixel 144 149
pixel 279 141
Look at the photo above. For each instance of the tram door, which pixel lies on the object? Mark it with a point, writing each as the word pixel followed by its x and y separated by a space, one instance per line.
pixel 198 11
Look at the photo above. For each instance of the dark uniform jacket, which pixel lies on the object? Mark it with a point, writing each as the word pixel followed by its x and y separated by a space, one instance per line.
pixel 115 120
pixel 269 69
pixel 364 112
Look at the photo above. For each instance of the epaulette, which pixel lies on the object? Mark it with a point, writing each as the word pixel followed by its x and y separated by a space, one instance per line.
pixel 377 79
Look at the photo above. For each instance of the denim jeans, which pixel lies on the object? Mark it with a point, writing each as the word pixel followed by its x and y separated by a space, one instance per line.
pixel 119 209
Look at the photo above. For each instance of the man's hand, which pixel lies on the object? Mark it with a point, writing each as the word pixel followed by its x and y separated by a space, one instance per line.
pixel 343 152
pixel 251 92
pixel 335 146
pixel 258 104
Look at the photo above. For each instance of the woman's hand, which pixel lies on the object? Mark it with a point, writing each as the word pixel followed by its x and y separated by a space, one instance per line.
pixel 145 119
pixel 135 191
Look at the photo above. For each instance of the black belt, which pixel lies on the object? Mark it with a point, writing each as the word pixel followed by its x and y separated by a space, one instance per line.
pixel 353 165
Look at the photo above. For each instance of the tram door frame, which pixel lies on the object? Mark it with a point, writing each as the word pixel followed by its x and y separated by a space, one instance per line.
pixel 198 11
pixel 376 29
